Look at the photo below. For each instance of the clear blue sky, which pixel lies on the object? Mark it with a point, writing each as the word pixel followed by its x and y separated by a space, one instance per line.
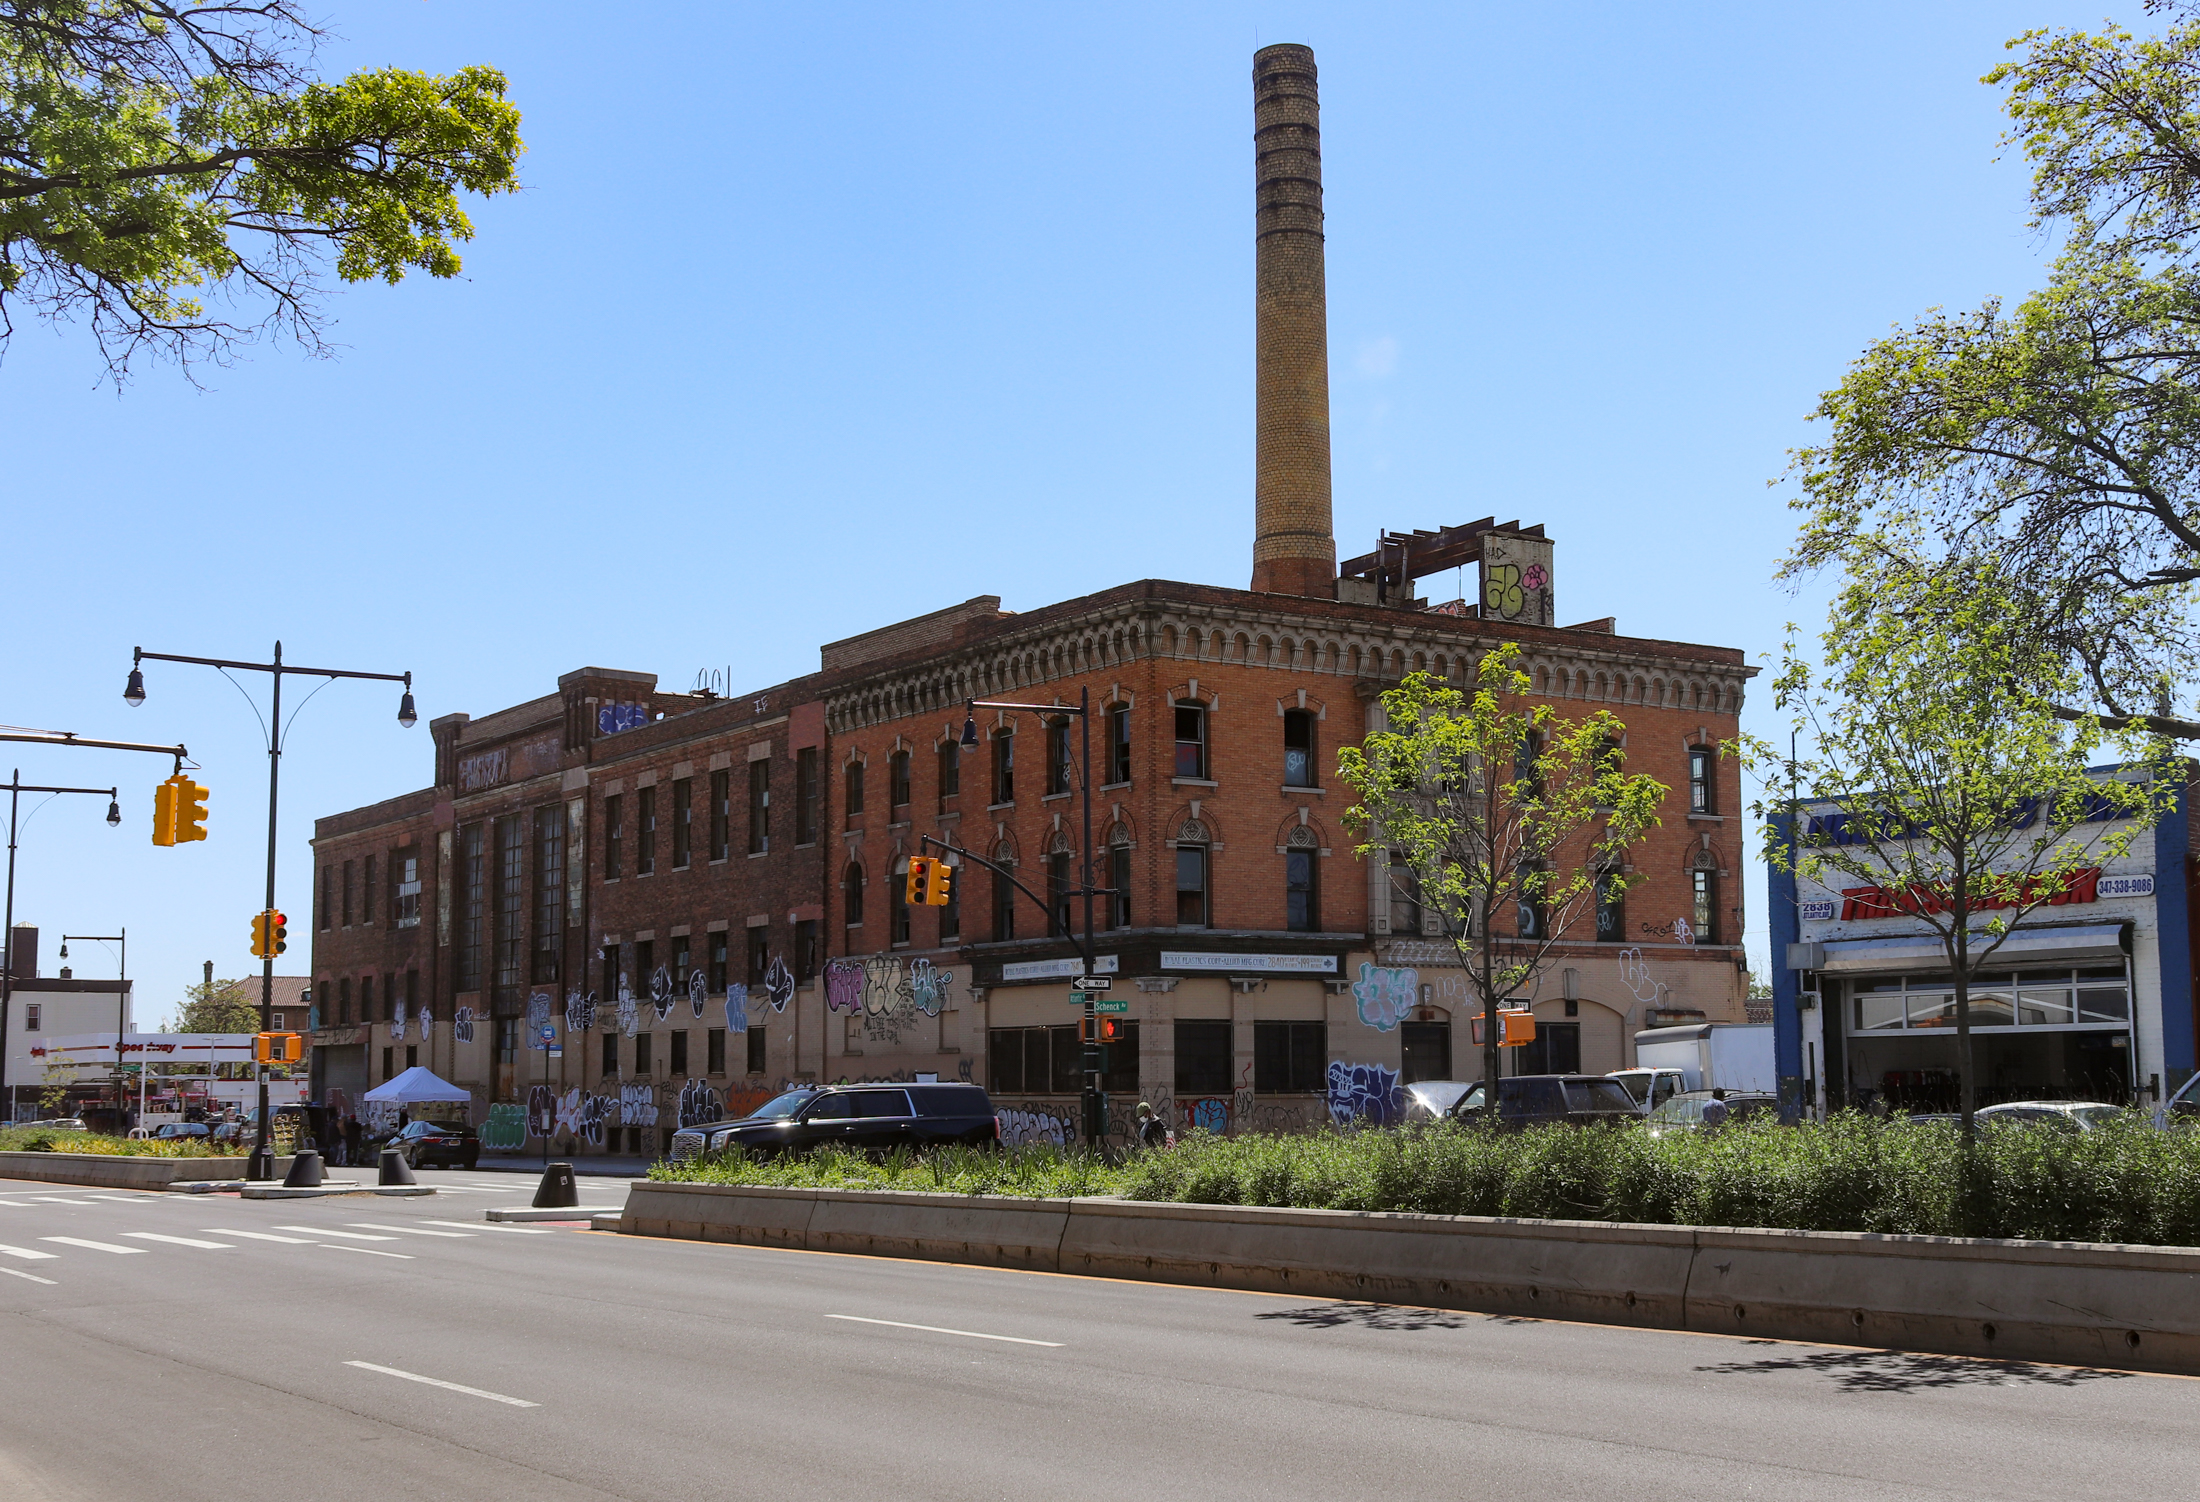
pixel 814 318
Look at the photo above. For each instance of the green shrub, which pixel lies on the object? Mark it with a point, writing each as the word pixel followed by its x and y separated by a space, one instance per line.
pixel 60 1140
pixel 2123 1182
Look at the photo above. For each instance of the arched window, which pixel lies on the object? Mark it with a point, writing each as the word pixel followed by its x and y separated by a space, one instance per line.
pixel 1057 769
pixel 1059 921
pixel 1004 895
pixel 1298 748
pixel 1611 908
pixel 854 779
pixel 1119 744
pixel 1192 873
pixel 851 894
pixel 1118 909
pixel 1004 766
pixel 1405 896
pixel 1703 881
pixel 1191 739
pixel 897 779
pixel 897 904
pixel 1302 908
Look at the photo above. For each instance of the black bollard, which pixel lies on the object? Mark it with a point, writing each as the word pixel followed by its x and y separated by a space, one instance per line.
pixel 305 1170
pixel 261 1165
pixel 395 1170
pixel 557 1190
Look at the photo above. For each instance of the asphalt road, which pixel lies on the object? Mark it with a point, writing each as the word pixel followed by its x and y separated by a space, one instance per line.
pixel 151 1348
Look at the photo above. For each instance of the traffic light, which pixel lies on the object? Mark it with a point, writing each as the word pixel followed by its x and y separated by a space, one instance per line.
pixel 179 811
pixel 919 891
pixel 942 875
pixel 165 798
pixel 270 934
pixel 277 1048
pixel 1516 1029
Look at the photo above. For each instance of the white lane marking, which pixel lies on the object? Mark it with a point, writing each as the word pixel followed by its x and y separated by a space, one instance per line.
pixel 491 1226
pixel 259 1236
pixel 331 1231
pixel 18 1204
pixel 28 1254
pixel 943 1330
pixel 368 1251
pixel 11 1272
pixel 471 1392
pixel 368 1225
pixel 121 1199
pixel 54 1199
pixel 211 1246
pixel 97 1246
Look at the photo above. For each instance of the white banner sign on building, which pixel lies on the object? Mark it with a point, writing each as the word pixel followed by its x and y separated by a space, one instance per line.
pixel 1249 964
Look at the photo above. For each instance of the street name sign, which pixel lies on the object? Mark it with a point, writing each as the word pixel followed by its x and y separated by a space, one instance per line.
pixel 1111 1004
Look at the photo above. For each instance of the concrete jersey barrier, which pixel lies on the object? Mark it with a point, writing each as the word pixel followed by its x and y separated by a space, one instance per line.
pixel 2081 1303
pixel 112 1171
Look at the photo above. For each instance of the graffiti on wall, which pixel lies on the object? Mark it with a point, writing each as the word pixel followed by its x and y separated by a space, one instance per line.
pixel 883 986
pixel 660 991
pixel 585 1116
pixel 844 985
pixel 542 1110
pixel 698 990
pixel 630 1015
pixel 580 1011
pixel 397 1026
pixel 506 1127
pixel 1636 977
pixel 737 1008
pixel 638 1105
pixel 427 1023
pixel 1364 1092
pixel 927 987
pixel 538 1018
pixel 778 984
pixel 1385 995
pixel 462 1024
pixel 700 1103
pixel 1020 1128
pixel 1210 1113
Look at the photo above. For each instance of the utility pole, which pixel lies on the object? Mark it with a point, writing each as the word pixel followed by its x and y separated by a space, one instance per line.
pixel 262 1164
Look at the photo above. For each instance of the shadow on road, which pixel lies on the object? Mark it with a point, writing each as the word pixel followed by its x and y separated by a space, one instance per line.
pixel 1372 1317
pixel 1911 1371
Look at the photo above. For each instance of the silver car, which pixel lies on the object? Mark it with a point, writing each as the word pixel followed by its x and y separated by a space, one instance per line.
pixel 2076 1115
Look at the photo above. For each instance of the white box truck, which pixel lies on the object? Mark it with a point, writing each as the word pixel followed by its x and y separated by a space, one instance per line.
pixel 1712 1055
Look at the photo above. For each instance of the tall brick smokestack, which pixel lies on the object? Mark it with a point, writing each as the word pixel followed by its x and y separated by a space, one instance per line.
pixel 1294 544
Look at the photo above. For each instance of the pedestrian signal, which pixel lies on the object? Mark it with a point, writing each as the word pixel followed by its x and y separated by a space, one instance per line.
pixel 278 1048
pixel 1516 1029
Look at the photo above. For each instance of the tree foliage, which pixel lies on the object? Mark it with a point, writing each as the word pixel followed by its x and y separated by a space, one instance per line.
pixel 1937 769
pixel 2052 441
pixel 1503 818
pixel 226 1006
pixel 154 154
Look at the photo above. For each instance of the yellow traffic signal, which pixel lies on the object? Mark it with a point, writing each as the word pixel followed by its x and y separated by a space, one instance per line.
pixel 270 934
pixel 919 891
pixel 277 1048
pixel 942 876
pixel 165 798
pixel 259 936
pixel 190 810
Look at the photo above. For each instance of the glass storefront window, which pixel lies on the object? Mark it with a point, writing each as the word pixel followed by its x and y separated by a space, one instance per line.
pixel 2032 998
pixel 1878 1009
pixel 2104 1004
pixel 2043 1008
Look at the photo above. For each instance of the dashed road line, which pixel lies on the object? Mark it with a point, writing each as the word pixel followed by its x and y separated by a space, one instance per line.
pixel 493 1226
pixel 368 1225
pixel 28 1254
pixel 472 1392
pixel 330 1231
pixel 210 1246
pixel 259 1236
pixel 32 1277
pixel 97 1246
pixel 1014 1340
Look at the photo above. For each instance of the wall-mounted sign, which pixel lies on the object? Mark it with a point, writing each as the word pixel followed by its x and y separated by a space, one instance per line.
pixel 1249 964
pixel 2126 886
pixel 1816 912
pixel 2081 886
pixel 484 770
pixel 1055 969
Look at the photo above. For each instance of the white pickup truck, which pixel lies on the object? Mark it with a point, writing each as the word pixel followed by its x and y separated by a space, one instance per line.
pixel 1651 1088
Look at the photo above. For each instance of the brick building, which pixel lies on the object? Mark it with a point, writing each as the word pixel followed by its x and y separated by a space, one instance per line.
pixel 698 898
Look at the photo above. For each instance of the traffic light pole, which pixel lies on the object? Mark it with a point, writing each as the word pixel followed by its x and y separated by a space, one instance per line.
pixel 1095 1126
pixel 262 1163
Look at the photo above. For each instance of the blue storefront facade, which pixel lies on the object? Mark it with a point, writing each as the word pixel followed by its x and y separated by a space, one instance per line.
pixel 2092 997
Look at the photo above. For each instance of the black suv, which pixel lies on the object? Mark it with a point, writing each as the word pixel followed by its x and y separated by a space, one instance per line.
pixel 1542 1099
pixel 868 1118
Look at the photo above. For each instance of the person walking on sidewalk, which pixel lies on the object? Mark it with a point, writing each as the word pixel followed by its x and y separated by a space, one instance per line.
pixel 1151 1133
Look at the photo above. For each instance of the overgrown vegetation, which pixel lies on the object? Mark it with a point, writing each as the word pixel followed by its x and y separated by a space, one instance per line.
pixel 2126 1182
pixel 61 1140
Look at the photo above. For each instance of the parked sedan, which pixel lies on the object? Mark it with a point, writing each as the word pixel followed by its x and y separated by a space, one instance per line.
pixel 1432 1100
pixel 1685 1112
pixel 2071 1115
pixel 868 1118
pixel 437 1144
pixel 176 1131
pixel 1527 1100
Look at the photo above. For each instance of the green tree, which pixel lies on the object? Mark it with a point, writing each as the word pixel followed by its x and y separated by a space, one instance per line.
pixel 1943 773
pixel 226 1006
pixel 1499 815
pixel 153 153
pixel 2056 439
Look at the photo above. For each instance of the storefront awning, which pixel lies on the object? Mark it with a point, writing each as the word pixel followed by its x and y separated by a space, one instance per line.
pixel 1912 952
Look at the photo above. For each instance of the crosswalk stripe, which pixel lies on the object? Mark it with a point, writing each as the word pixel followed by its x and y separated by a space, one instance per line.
pixel 28 1254
pixel 18 1204
pixel 368 1251
pixel 490 1226
pixel 33 1277
pixel 328 1231
pixel 257 1236
pixel 368 1225
pixel 55 1199
pixel 121 1199
pixel 211 1246
pixel 97 1246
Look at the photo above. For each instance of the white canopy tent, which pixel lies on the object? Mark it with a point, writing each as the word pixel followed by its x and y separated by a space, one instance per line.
pixel 415 1087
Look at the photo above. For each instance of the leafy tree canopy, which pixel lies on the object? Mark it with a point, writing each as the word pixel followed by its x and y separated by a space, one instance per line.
pixel 154 153
pixel 226 1006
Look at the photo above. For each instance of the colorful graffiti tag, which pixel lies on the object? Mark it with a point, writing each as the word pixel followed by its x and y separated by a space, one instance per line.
pixel 506 1127
pixel 737 1008
pixel 1385 995
pixel 462 1024
pixel 1019 1128
pixel 1364 1092
pixel 700 1103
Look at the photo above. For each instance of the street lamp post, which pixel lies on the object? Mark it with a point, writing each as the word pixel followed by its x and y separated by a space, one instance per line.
pixel 1095 1126
pixel 16 788
pixel 262 1164
pixel 122 1003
